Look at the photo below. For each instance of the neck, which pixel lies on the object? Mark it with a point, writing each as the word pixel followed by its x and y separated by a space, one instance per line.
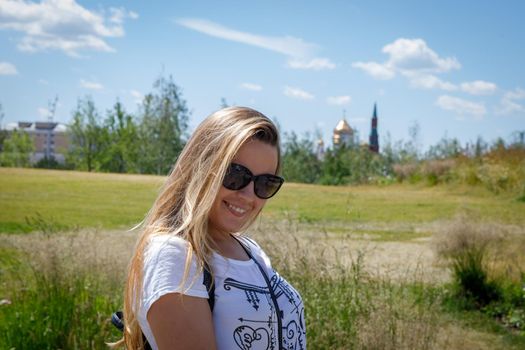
pixel 227 246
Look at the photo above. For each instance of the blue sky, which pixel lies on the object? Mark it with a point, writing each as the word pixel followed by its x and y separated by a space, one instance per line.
pixel 454 67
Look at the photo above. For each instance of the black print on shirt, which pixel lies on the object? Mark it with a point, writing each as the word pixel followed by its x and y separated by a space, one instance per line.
pixel 250 335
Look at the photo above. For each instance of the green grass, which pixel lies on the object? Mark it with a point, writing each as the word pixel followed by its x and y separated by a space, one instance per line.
pixel 70 199
pixel 62 286
pixel 392 204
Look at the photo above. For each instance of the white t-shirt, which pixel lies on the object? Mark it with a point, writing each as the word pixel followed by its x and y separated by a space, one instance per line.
pixel 244 315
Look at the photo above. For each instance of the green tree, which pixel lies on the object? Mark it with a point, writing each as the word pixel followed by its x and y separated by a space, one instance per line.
pixel 17 149
pixel 335 170
pixel 445 148
pixel 87 137
pixel 3 133
pixel 162 128
pixel 120 144
pixel 300 163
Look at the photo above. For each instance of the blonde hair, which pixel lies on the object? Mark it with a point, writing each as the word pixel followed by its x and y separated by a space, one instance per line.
pixel 184 202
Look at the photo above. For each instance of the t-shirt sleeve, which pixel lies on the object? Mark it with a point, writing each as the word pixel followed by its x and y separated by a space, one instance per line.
pixel 164 264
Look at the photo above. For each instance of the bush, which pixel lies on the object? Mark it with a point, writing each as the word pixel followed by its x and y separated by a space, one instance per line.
pixel 465 246
pixel 405 171
pixel 437 171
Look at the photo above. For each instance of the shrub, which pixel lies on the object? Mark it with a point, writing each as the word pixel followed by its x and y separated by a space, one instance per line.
pixel 405 171
pixel 465 246
pixel 436 171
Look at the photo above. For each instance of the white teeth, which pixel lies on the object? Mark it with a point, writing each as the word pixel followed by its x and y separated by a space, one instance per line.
pixel 236 209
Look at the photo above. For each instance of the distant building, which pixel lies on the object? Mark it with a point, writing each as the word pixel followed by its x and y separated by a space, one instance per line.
pixel 49 139
pixel 374 139
pixel 319 152
pixel 344 134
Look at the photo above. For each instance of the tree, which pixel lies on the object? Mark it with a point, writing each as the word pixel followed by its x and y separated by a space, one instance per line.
pixel 120 144
pixel 162 128
pixel 445 148
pixel 87 137
pixel 300 163
pixel 3 133
pixel 334 170
pixel 17 149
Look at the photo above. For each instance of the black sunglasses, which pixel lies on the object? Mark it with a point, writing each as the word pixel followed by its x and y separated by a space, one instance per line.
pixel 238 177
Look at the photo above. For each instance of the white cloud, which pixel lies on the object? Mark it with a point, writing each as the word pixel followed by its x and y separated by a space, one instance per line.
pixel 428 81
pixel 118 15
pixel 7 68
pixel 287 45
pixel 297 93
pixel 339 100
pixel 251 86
pixel 509 104
pixel 413 59
pixel 314 64
pixel 62 25
pixel 517 94
pixel 90 85
pixel 300 53
pixel 376 70
pixel 137 95
pixel 461 106
pixel 479 87
pixel 415 55
pixel 43 112
pixel 43 81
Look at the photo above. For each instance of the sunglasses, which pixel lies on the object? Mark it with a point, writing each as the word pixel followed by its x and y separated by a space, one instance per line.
pixel 238 177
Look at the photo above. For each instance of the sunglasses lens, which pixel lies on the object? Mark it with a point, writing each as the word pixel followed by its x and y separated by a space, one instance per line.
pixel 237 177
pixel 267 186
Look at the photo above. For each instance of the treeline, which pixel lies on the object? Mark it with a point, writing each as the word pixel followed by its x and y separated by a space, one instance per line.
pixel 146 143
pixel 149 142
pixel 498 166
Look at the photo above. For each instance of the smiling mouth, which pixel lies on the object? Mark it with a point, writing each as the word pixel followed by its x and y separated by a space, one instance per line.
pixel 235 209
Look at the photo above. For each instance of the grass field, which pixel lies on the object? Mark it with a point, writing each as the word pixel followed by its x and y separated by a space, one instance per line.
pixel 58 286
pixel 70 199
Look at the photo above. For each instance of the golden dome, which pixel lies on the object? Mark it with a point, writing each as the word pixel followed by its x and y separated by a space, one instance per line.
pixel 343 128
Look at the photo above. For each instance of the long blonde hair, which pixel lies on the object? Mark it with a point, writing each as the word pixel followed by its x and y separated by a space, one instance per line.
pixel 184 202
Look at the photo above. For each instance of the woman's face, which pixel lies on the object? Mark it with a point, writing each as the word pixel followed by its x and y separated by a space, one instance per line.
pixel 231 210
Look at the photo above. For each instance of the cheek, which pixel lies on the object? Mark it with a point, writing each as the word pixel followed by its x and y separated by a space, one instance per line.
pixel 259 205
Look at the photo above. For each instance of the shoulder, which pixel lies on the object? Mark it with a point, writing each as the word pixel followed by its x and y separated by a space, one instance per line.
pixel 166 241
pixel 256 250
pixel 165 270
pixel 165 247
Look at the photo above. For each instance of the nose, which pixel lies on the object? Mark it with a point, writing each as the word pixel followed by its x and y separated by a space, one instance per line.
pixel 249 191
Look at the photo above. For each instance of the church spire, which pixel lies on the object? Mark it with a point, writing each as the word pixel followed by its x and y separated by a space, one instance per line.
pixel 374 139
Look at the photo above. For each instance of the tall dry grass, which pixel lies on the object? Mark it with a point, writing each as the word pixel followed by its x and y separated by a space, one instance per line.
pixel 60 289
pixel 63 287
pixel 348 306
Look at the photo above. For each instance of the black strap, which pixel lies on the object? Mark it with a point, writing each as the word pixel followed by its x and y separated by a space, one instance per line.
pixel 210 286
pixel 272 294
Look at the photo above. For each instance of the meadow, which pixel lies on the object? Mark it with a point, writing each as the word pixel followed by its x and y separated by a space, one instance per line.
pixel 363 257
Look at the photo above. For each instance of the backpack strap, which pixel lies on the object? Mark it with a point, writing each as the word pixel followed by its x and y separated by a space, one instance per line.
pixel 210 286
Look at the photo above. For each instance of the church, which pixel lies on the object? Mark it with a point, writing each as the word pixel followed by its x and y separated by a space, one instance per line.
pixel 345 135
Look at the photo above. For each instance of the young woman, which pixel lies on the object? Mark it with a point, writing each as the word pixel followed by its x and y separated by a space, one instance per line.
pixel 215 191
